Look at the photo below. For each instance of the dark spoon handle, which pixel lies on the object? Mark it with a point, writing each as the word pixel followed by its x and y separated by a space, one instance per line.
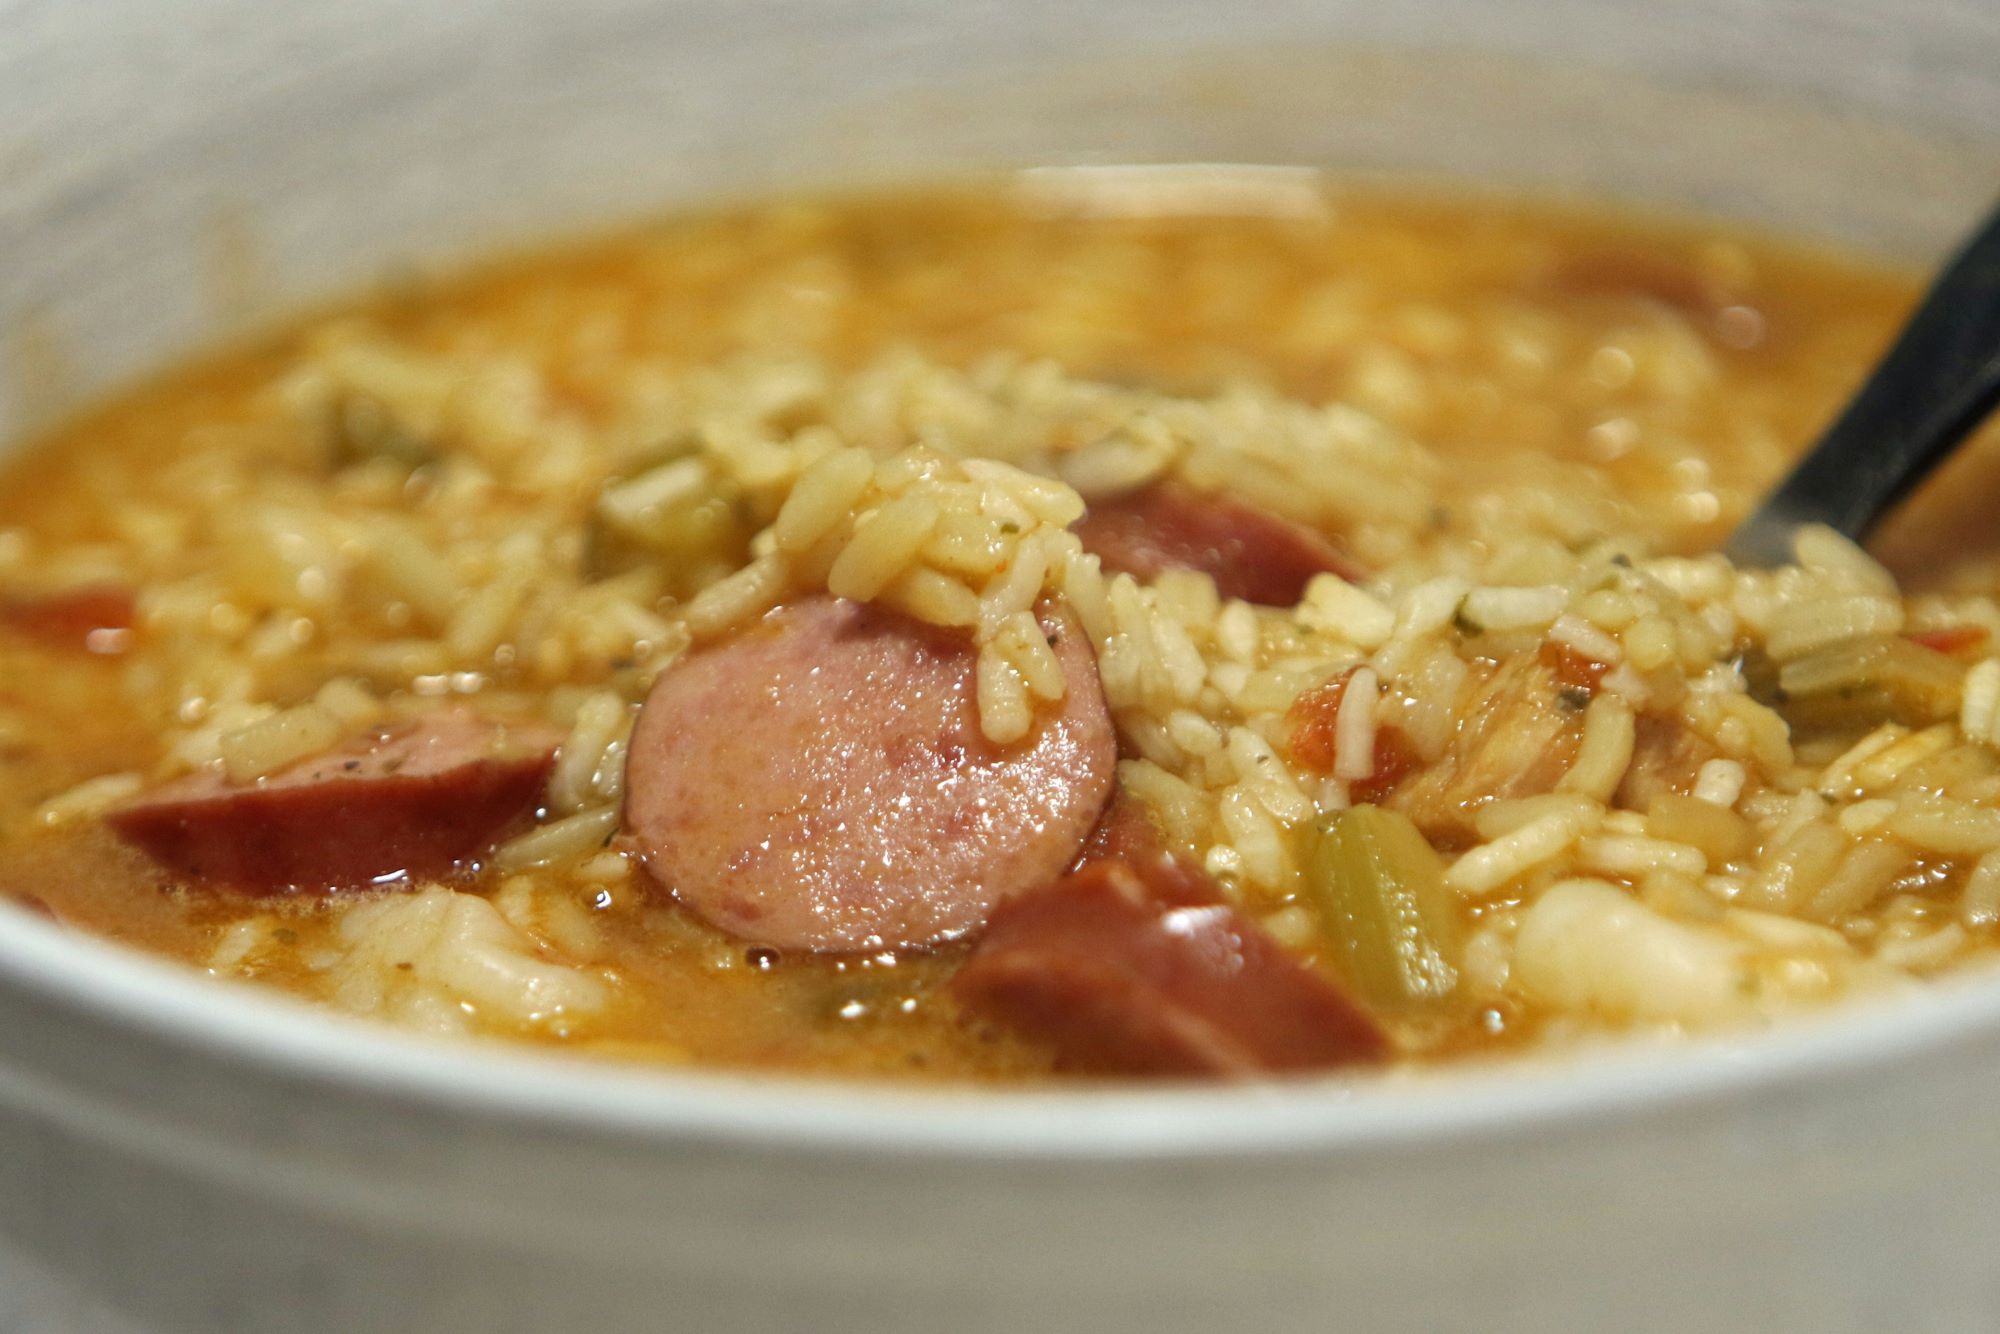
pixel 1933 388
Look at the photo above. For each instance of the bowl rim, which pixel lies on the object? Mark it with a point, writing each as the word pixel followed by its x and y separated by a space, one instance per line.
pixel 184 1011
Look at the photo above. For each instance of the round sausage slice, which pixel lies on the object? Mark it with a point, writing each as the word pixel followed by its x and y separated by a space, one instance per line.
pixel 1251 554
pixel 1139 969
pixel 415 799
pixel 820 781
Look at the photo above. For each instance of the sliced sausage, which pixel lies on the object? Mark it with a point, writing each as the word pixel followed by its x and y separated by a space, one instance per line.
pixel 820 781
pixel 1132 973
pixel 1250 554
pixel 96 618
pixel 1126 832
pixel 417 799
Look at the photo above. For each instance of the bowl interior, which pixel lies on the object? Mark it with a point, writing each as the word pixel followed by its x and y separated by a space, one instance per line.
pixel 169 179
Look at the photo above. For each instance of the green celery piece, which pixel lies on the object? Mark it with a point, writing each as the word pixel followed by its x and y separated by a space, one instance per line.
pixel 1394 927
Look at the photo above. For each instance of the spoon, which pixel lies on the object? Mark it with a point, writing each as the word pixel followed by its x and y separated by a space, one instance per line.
pixel 1935 385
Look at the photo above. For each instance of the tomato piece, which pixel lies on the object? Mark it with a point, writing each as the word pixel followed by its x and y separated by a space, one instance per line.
pixel 1572 666
pixel 1395 759
pixel 1949 638
pixel 1314 720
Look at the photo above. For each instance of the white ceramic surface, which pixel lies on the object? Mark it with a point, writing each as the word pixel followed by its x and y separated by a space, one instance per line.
pixel 177 1155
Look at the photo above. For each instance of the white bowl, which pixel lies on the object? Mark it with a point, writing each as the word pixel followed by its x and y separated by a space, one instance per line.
pixel 180 1154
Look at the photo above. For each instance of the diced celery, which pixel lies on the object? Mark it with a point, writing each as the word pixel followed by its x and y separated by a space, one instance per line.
pixel 672 512
pixel 1862 681
pixel 359 429
pixel 1394 927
